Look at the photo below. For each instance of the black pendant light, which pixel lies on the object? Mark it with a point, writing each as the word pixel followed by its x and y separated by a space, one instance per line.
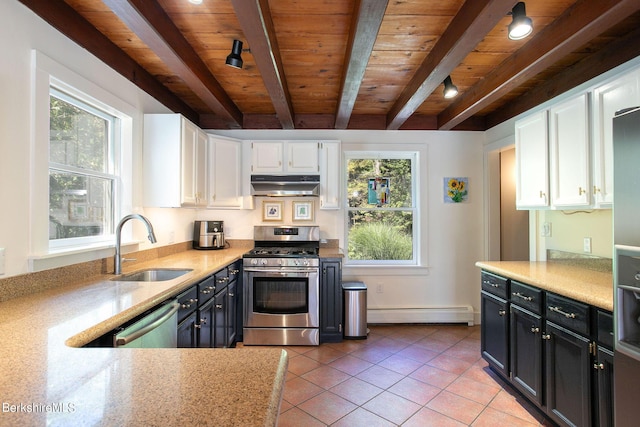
pixel 450 90
pixel 521 25
pixel 234 59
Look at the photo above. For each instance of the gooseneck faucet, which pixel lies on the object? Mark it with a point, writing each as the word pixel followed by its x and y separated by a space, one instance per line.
pixel 117 261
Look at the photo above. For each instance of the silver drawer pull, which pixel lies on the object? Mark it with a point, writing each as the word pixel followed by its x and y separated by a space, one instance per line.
pixel 535 330
pixel 502 312
pixel 565 314
pixel 524 297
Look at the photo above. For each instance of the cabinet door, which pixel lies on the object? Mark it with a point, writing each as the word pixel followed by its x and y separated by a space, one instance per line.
pixel 232 309
pixel 267 157
pixel 193 165
pixel 330 175
pixel 568 376
pixel 220 319
pixel 623 92
pixel 494 326
pixel 526 353
pixel 604 367
pixel 569 153
pixel 331 301
pixel 205 324
pixel 187 332
pixel 225 178
pixel 302 157
pixel 532 168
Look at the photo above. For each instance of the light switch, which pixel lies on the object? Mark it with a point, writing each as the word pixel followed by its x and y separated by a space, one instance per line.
pixel 586 245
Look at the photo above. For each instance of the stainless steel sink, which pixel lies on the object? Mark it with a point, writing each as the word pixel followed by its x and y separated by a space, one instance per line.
pixel 153 275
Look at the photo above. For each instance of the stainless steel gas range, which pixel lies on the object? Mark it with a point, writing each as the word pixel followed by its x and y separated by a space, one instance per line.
pixel 281 286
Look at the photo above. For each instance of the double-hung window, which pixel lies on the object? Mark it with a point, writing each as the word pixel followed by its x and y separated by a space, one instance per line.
pixel 382 215
pixel 83 175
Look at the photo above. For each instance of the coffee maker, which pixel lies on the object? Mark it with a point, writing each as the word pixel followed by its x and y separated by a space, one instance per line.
pixel 208 235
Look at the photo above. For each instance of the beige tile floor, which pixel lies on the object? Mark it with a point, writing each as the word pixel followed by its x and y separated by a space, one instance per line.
pixel 409 375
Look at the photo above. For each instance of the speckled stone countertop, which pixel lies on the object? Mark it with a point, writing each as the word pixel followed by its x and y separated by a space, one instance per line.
pixel 46 380
pixel 582 284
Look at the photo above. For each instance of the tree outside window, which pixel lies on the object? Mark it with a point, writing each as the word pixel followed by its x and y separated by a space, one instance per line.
pixel 81 168
pixel 381 208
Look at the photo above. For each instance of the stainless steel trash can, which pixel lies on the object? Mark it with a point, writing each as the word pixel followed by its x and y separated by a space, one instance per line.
pixel 355 310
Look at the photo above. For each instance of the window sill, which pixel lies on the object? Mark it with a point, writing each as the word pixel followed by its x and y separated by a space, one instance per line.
pixel 64 256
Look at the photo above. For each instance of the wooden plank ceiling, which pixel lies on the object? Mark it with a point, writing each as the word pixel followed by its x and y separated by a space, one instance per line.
pixel 350 64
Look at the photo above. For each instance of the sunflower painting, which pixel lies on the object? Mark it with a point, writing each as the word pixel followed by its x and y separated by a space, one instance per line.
pixel 456 190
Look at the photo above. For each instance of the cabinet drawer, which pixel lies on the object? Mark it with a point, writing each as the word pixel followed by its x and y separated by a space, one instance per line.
pixel 605 328
pixel 188 302
pixel 495 284
pixel 569 313
pixel 233 271
pixel 222 279
pixel 526 296
pixel 206 290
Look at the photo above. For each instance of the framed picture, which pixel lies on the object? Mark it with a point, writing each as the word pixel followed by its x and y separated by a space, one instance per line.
pixel 303 211
pixel 456 190
pixel 272 211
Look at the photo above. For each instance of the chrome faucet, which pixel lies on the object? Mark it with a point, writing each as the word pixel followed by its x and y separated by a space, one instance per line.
pixel 117 261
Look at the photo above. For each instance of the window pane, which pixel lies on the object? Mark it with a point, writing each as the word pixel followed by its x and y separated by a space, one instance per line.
pixel 79 205
pixel 379 182
pixel 77 137
pixel 380 235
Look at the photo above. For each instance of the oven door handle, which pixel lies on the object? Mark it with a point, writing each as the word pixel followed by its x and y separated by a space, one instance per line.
pixel 281 271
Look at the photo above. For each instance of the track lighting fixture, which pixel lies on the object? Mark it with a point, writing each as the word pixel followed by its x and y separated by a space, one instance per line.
pixel 234 59
pixel 195 1
pixel 450 90
pixel 521 25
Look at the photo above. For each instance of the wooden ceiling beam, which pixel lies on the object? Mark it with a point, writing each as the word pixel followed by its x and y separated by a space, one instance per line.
pixel 73 25
pixel 257 25
pixel 154 27
pixel 362 36
pixel 474 20
pixel 614 54
pixel 579 24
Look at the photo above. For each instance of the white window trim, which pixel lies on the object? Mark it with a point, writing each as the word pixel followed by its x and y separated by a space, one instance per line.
pixel 46 72
pixel 418 201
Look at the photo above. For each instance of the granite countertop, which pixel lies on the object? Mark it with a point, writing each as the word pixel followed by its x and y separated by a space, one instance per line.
pixel 47 380
pixel 580 283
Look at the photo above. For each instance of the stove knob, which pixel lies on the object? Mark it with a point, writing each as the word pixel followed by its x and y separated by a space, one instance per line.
pixel 280 262
pixel 254 261
pixel 263 261
pixel 296 262
pixel 306 262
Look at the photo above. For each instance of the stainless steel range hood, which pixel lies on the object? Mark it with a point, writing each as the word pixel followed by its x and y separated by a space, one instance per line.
pixel 285 185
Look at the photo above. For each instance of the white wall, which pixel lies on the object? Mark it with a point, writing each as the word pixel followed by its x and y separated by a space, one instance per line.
pixel 452 233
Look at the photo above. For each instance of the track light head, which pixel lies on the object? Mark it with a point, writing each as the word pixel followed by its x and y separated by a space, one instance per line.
pixel 234 59
pixel 521 25
pixel 450 90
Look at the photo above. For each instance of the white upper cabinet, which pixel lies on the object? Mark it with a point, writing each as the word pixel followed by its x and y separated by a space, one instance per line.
pixel 174 162
pixel 569 159
pixel 285 157
pixel 621 93
pixel 532 168
pixel 330 175
pixel 225 173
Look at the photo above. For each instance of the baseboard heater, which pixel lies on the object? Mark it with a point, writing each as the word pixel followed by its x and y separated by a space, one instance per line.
pixel 460 314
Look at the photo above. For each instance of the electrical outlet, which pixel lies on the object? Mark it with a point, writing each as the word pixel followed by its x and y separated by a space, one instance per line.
pixel 172 237
pixel 379 288
pixel 586 245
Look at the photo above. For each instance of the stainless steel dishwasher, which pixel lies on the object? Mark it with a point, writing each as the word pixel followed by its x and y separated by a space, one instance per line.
pixel 157 329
